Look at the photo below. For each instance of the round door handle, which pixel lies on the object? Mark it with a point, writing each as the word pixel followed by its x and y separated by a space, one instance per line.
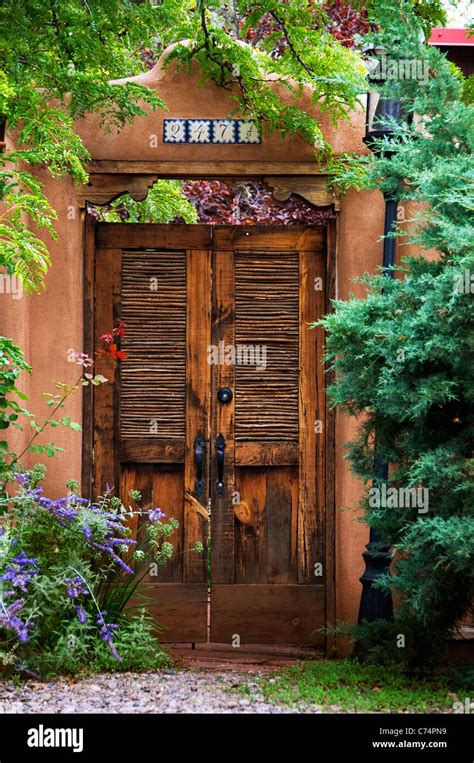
pixel 224 395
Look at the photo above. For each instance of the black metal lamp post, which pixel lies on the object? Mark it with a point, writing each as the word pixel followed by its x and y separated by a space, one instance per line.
pixel 376 603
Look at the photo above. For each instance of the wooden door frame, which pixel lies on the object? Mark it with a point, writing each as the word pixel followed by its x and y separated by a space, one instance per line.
pixel 110 179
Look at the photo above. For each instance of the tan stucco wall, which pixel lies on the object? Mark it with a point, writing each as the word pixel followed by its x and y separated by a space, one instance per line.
pixel 46 326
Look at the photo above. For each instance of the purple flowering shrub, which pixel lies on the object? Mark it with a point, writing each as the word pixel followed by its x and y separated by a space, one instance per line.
pixel 68 571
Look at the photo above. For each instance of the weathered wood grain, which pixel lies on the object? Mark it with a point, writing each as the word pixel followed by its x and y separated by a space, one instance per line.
pixel 181 608
pixel 207 169
pixel 250 526
pixel 312 417
pixel 144 236
pixel 198 387
pixel 88 348
pixel 267 614
pixel 106 396
pixel 168 495
pixel 272 238
pixel 266 453
pixel 152 450
pixel 330 449
pixel 281 509
pixel 223 330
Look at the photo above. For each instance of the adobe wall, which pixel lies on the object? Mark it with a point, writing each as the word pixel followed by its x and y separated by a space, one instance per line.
pixel 47 325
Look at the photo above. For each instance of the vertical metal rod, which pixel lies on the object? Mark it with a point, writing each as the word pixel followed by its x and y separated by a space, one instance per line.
pixel 375 603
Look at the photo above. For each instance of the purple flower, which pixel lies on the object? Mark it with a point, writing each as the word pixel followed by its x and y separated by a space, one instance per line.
pixel 108 549
pixel 76 587
pixel 106 633
pixel 61 509
pixel 81 615
pixel 34 494
pixel 23 478
pixel 155 514
pixel 121 541
pixel 87 532
pixel 9 619
pixel 20 572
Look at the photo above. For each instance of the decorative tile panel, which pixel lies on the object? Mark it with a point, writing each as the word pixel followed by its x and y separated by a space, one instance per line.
pixel 223 131
pixel 211 131
pixel 175 131
pixel 199 130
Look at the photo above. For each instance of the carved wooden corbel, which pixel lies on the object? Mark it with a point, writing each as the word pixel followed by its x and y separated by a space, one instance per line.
pixel 311 188
pixel 103 188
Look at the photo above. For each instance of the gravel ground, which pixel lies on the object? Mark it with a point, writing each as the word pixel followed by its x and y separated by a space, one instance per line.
pixel 168 691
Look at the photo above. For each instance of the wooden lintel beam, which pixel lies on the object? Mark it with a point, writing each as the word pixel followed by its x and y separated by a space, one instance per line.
pixel 205 169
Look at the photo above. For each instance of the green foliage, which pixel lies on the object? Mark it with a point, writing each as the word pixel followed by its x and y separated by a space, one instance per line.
pixel 429 13
pixel 22 253
pixel 75 650
pixel 164 203
pixel 52 77
pixel 12 364
pixel 57 60
pixel 403 355
pixel 366 688
pixel 310 57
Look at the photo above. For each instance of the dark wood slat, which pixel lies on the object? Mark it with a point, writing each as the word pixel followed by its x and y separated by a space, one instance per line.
pixel 330 450
pixel 153 384
pixel 281 507
pixel 223 330
pixel 144 236
pixel 106 396
pixel 152 451
pixel 88 344
pixel 250 526
pixel 312 405
pixel 168 495
pixel 198 387
pixel 266 453
pixel 274 238
pixel 267 614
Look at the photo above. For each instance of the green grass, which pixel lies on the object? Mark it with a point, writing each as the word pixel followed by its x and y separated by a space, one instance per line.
pixel 366 688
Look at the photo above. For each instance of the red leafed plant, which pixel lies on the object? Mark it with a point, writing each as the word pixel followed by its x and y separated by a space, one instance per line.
pixel 109 343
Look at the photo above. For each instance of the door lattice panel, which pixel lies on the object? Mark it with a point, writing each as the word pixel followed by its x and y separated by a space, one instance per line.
pixel 267 316
pixel 153 379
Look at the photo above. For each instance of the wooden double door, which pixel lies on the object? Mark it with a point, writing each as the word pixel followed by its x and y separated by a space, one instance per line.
pixel 218 417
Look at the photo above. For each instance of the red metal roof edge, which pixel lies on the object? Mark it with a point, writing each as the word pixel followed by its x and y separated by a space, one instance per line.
pixel 450 37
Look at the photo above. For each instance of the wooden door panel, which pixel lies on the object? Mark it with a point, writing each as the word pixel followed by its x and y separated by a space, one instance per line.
pixel 184 291
pixel 265 525
pixel 269 285
pixel 147 420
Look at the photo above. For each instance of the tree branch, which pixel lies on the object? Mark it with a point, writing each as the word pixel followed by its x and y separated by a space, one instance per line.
pixel 286 34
